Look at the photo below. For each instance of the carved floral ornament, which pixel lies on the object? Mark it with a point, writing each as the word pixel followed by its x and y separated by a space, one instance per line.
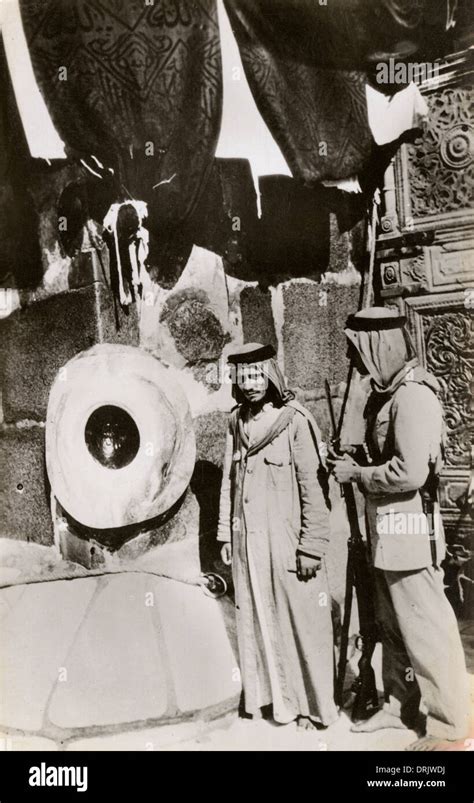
pixel 441 161
pixel 457 147
pixel 407 271
pixel 391 273
pixel 450 357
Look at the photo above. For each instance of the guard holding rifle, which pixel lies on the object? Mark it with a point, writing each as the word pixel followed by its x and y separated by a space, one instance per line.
pixel 422 651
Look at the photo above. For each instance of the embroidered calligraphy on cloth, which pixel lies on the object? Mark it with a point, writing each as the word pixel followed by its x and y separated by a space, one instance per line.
pixel 137 85
pixel 121 76
pixel 306 63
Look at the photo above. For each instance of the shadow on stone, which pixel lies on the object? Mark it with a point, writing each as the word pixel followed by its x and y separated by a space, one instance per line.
pixel 115 538
pixel 206 485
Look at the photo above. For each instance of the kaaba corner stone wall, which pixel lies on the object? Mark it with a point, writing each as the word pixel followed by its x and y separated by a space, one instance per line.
pixel 191 327
pixel 38 337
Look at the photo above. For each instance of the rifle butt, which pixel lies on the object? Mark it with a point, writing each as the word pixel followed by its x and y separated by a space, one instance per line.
pixel 366 700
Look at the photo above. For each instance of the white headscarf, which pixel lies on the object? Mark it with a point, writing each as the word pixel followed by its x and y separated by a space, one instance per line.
pixel 387 353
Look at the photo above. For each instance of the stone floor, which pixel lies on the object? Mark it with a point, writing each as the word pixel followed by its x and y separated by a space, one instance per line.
pixel 134 662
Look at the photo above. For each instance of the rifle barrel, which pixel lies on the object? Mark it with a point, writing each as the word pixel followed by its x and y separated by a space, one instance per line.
pixel 358 577
pixel 331 408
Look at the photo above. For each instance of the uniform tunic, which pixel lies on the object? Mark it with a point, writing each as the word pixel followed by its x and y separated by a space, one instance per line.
pixel 422 651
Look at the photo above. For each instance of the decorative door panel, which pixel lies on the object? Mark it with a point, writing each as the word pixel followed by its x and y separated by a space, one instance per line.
pixel 436 173
pixel 443 331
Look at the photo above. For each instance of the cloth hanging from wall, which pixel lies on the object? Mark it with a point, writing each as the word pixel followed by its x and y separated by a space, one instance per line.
pixel 119 75
pixel 391 115
pixel 136 248
pixel 306 64
pixel 317 115
pixel 136 85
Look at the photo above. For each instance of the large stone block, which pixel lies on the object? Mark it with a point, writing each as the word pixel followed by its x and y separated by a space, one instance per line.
pixel 313 332
pixel 315 401
pixel 226 218
pixel 257 316
pixel 37 636
pixel 124 650
pixel 293 232
pixel 40 338
pixel 206 482
pixel 194 327
pixel 24 496
pixel 180 524
pixel 340 246
pixel 210 430
pixel 88 266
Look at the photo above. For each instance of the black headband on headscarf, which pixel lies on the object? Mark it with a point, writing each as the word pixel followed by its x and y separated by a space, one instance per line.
pixel 360 324
pixel 254 352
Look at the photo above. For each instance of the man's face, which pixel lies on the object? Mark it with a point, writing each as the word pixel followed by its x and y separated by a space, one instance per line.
pixel 353 356
pixel 252 382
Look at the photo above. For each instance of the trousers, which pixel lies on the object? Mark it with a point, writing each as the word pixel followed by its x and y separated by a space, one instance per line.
pixel 422 654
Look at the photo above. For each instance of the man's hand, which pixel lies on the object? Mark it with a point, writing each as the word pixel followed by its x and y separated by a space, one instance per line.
pixel 226 553
pixel 307 567
pixel 343 469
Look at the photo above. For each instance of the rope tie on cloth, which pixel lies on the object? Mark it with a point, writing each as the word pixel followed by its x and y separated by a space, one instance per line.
pixel 137 249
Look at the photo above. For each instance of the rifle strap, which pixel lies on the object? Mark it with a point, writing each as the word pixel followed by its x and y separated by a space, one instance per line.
pixel 429 498
pixel 314 429
pixel 316 438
